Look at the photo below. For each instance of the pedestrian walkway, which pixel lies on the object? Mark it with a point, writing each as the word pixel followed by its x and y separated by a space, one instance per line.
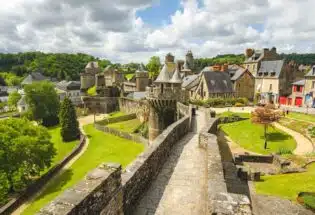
pixel 303 145
pixel 180 187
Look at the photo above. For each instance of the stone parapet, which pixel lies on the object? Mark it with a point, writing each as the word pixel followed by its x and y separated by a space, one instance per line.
pixel 99 193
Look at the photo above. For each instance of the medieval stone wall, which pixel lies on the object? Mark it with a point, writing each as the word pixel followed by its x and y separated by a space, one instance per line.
pixel 127 105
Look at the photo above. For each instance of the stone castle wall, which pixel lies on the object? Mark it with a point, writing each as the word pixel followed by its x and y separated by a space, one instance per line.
pixel 106 191
pixel 129 106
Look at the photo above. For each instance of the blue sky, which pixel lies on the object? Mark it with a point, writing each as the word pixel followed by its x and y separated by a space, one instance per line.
pixel 159 13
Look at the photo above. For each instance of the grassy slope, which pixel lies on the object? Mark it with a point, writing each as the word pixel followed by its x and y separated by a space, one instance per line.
pixel 63 148
pixel 288 185
pixel 103 147
pixel 227 114
pixel 128 126
pixel 116 114
pixel 301 116
pixel 251 137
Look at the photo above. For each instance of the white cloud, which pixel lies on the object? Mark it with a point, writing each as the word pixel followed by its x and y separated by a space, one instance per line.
pixel 111 29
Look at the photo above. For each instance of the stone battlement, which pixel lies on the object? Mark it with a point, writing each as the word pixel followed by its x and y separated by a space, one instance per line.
pixel 163 93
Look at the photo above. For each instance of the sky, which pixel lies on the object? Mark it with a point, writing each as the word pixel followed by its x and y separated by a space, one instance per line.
pixel 134 30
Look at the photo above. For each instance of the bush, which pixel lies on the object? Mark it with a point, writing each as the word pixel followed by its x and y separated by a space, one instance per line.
pixel 220 102
pixel 239 104
pixel 143 130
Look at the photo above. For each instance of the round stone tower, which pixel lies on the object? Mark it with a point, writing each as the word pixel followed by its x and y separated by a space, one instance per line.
pixel 88 77
pixel 162 99
pixel 142 79
pixel 190 60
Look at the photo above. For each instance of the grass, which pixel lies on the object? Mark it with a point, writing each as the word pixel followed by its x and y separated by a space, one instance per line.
pixel 9 113
pixel 129 76
pixel 288 185
pixel 115 114
pixel 309 201
pixel 302 116
pixel 251 137
pixel 103 147
pixel 128 126
pixel 229 113
pixel 63 148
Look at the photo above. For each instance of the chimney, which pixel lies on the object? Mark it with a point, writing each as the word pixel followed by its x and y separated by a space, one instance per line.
pixel 224 67
pixel 217 67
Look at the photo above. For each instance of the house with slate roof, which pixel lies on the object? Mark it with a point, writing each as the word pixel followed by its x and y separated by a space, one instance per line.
pixel 243 83
pixel 214 83
pixel 298 95
pixel 71 89
pixel 34 77
pixel 309 88
pixel 273 81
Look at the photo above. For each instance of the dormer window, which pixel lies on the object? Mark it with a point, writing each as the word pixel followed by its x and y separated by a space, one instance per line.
pixel 212 82
pixel 260 74
pixel 265 73
pixel 273 74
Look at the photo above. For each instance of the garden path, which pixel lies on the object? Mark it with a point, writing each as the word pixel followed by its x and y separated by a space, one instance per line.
pixel 304 145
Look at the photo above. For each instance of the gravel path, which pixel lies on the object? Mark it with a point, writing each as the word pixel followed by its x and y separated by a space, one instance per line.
pixel 304 145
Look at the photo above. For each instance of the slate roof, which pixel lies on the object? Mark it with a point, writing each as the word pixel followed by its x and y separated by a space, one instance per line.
pixel 164 76
pixel 137 95
pixel 70 85
pixel 92 65
pixel 34 76
pixel 311 73
pixel 176 77
pixel 141 69
pixel 218 82
pixel 4 94
pixel 189 79
pixel 238 73
pixel 186 67
pixel 299 83
pixel 256 57
pixel 270 69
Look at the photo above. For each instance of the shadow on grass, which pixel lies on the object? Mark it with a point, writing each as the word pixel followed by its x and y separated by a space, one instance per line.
pixel 57 183
pixel 276 136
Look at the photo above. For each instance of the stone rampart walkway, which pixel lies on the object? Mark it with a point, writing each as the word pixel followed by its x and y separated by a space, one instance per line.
pixel 303 145
pixel 180 188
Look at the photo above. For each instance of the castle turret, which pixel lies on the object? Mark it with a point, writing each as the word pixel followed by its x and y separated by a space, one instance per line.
pixel 142 79
pixel 162 99
pixel 190 60
pixel 186 70
pixel 170 63
pixel 88 77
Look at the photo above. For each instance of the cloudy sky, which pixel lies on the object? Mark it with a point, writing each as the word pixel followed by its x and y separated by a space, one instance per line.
pixel 133 30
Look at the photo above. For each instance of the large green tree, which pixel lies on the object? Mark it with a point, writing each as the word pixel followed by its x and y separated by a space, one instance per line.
pixel 25 150
pixel 68 121
pixel 43 103
pixel 13 99
pixel 154 66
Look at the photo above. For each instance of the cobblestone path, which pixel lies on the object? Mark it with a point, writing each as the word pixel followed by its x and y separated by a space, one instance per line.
pixel 180 188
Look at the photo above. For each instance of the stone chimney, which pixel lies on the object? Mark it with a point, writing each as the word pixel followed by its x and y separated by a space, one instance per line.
pixel 216 67
pixel 224 67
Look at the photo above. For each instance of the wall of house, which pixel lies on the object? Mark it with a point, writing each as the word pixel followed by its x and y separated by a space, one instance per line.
pixel 309 84
pixel 265 85
pixel 245 86
pixel 252 67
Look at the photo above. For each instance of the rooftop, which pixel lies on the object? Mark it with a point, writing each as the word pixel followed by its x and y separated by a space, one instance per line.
pixel 270 69
pixel 218 82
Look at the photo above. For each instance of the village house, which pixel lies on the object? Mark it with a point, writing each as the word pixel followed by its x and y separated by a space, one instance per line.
pixel 243 83
pixel 309 87
pixel 34 77
pixel 297 96
pixel 70 89
pixel 254 58
pixel 112 76
pixel 214 83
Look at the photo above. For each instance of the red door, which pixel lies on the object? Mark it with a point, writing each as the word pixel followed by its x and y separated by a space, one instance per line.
pixel 283 100
pixel 290 101
pixel 298 101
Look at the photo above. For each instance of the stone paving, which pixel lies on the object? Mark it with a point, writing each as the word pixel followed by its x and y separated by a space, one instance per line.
pixel 180 188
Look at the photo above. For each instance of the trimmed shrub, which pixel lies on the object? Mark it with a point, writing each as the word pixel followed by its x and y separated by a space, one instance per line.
pixel 237 104
pixel 284 151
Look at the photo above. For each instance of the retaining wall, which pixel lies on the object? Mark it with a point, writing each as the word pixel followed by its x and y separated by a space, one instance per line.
pixel 117 119
pixel 39 183
pixel 128 105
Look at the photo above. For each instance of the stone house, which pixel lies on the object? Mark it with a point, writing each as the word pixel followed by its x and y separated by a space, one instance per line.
pixel 273 81
pixel 243 83
pixel 138 83
pixel 34 77
pixel 112 76
pixel 253 58
pixel 214 83
pixel 309 87
pixel 71 89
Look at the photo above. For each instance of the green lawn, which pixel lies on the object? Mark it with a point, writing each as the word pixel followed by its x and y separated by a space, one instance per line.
pixel 103 147
pixel 129 76
pixel 302 116
pixel 63 148
pixel 288 185
pixel 251 137
pixel 229 113
pixel 116 114
pixel 128 126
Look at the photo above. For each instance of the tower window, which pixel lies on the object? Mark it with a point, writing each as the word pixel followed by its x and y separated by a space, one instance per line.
pixel 162 88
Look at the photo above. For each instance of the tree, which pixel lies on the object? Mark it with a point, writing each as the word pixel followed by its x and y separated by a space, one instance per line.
pixel 43 103
pixel 265 116
pixel 68 121
pixel 25 151
pixel 92 91
pixel 154 66
pixel 13 99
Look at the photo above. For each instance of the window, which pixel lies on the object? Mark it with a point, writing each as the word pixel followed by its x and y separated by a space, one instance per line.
pixel 260 74
pixel 270 87
pixel 313 70
pixel 313 85
pixel 273 74
pixel 162 88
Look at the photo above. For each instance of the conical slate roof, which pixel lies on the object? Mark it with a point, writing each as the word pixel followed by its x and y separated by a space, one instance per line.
pixel 176 77
pixel 91 65
pixel 141 69
pixel 186 67
pixel 164 76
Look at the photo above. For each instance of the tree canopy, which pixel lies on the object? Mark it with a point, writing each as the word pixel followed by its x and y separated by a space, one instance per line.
pixel 13 99
pixel 154 65
pixel 25 151
pixel 68 121
pixel 43 103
